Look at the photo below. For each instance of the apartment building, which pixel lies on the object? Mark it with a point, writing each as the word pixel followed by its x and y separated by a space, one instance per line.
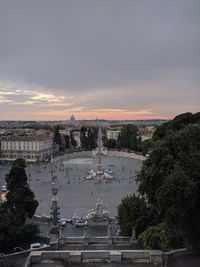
pixel 30 148
pixel 112 134
pixel 146 132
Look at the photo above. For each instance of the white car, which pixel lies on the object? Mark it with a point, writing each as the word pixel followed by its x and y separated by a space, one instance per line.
pixel 81 223
pixel 37 245
pixel 4 188
pixel 62 222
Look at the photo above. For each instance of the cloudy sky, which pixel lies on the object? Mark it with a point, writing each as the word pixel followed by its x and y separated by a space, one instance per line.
pixel 112 59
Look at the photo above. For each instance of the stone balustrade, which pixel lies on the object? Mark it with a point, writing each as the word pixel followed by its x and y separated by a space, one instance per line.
pixel 144 256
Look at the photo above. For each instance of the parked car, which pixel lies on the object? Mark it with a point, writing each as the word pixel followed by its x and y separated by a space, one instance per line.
pixel 62 222
pixel 81 223
pixel 36 245
pixel 4 188
pixel 18 249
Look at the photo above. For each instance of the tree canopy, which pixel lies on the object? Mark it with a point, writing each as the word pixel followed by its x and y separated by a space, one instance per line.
pixel 129 138
pixel 57 137
pixel 134 212
pixel 88 137
pixel 20 205
pixel 169 181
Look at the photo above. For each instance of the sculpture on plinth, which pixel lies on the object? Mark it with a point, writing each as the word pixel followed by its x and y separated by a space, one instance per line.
pixel 54 232
pixel 99 214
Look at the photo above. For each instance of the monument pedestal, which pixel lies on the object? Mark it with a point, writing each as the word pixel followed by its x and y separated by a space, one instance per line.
pixel 109 240
pixel 54 235
pixel 85 241
pixel 61 236
pixel 133 239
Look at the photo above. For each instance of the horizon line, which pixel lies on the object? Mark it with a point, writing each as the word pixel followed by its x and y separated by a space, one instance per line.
pixel 96 120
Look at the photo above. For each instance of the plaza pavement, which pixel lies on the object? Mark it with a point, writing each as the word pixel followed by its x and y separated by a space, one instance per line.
pixel 75 194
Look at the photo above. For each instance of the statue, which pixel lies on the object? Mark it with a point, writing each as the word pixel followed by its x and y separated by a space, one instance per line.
pixel 99 213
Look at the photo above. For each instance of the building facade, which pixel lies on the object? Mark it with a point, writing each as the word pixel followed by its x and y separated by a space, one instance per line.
pixel 146 132
pixel 32 149
pixel 112 134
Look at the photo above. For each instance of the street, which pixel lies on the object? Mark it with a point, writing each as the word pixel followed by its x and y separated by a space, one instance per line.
pixel 72 230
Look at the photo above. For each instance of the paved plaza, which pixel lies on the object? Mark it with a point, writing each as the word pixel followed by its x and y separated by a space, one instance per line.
pixel 75 193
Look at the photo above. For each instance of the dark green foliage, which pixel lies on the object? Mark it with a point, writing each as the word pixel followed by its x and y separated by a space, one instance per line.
pixel 146 146
pixel 109 143
pixel 170 177
pixel 92 137
pixel 129 138
pixel 134 212
pixel 57 138
pixel 89 138
pixel 157 237
pixel 30 232
pixel 170 182
pixel 67 142
pixel 178 123
pixel 72 140
pixel 20 205
pixel 83 137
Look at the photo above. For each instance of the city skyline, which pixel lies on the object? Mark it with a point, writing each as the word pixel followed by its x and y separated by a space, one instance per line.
pixel 114 60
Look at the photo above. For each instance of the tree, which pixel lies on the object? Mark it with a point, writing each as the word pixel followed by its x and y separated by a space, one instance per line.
pixel 146 146
pixel 20 205
pixel 88 138
pixel 111 143
pixel 134 212
pixel 20 199
pixel 67 142
pixel 157 237
pixel 72 140
pixel 57 138
pixel 178 123
pixel 169 183
pixel 170 180
pixel 92 138
pixel 129 138
pixel 83 137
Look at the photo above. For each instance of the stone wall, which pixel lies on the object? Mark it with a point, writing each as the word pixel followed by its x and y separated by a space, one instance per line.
pixel 135 256
pixel 97 240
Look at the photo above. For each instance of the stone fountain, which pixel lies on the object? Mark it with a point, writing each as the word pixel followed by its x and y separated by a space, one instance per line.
pixel 100 173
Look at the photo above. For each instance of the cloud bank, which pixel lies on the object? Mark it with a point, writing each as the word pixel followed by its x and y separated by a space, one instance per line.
pixel 108 59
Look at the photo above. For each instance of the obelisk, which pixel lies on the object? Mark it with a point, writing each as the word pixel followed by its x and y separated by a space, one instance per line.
pixel 99 167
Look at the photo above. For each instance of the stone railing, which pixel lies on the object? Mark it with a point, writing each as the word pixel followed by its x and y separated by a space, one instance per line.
pixel 96 240
pixel 134 256
pixel 38 218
